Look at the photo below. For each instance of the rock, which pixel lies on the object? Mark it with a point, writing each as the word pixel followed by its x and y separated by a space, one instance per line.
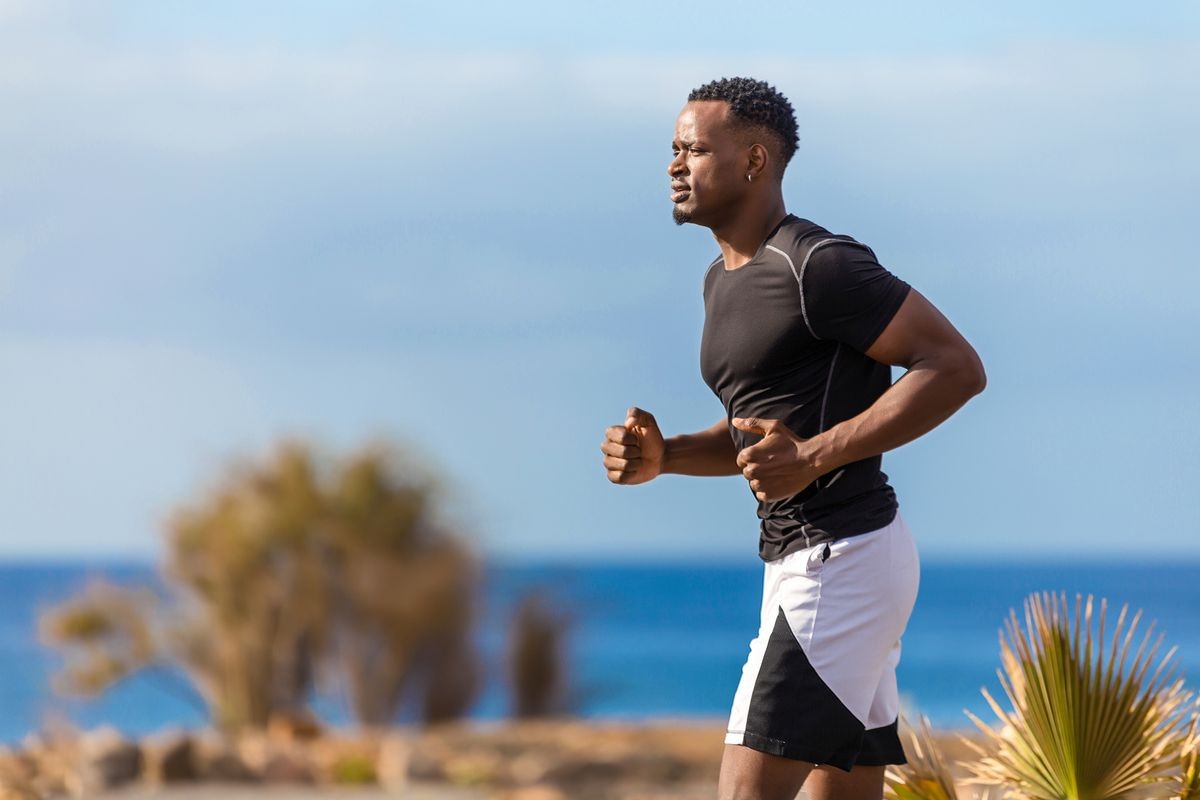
pixel 474 768
pixel 16 767
pixel 52 764
pixel 530 768
pixel 12 790
pixel 287 767
pixel 226 767
pixel 168 757
pixel 653 768
pixel 16 771
pixel 108 759
pixel 217 759
pixel 706 791
pixel 273 760
pixel 543 792
pixel 573 770
pixel 392 763
pixel 254 750
pixel 426 763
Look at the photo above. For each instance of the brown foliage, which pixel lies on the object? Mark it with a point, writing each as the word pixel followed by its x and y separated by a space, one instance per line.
pixel 536 660
pixel 287 569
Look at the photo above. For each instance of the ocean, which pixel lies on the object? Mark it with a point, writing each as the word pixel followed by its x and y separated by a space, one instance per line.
pixel 645 640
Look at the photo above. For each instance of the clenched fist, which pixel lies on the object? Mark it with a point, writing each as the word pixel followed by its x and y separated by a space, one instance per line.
pixel 780 464
pixel 633 452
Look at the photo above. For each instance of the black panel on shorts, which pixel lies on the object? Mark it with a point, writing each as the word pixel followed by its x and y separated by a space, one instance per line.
pixel 881 746
pixel 793 713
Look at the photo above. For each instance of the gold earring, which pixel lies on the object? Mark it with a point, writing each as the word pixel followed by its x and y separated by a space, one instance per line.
pixel 749 177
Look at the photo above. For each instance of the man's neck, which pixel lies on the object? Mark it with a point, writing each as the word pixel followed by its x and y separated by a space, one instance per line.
pixel 742 236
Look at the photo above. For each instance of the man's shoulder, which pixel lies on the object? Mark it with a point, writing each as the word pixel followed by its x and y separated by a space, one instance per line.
pixel 709 271
pixel 800 238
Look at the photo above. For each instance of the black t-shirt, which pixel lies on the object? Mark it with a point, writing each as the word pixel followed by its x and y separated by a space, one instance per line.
pixel 784 338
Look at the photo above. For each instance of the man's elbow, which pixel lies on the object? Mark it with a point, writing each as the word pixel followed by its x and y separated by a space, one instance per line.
pixel 978 382
pixel 959 368
pixel 970 374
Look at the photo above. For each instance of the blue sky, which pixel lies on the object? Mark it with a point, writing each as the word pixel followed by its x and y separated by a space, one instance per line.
pixel 221 223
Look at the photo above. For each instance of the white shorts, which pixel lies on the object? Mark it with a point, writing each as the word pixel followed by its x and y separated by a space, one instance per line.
pixel 820 682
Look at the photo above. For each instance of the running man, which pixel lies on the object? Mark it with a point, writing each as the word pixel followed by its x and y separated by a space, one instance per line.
pixel 800 331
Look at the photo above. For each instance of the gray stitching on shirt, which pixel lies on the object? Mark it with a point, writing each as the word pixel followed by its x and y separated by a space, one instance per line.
pixel 804 264
pixel 803 310
pixel 800 276
pixel 825 400
pixel 828 382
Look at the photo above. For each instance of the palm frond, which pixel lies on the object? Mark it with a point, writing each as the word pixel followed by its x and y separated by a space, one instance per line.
pixel 925 776
pixel 1189 774
pixel 1082 726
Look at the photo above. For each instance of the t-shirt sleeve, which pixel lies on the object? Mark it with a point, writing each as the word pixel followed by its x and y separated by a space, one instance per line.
pixel 849 296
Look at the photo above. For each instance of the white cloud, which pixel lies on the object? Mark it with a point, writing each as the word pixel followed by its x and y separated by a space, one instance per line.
pixel 12 11
pixel 209 97
pixel 247 195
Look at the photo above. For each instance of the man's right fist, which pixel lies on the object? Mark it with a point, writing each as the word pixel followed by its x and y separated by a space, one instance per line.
pixel 633 452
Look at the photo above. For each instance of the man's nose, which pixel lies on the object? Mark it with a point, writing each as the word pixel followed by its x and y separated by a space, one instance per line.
pixel 675 166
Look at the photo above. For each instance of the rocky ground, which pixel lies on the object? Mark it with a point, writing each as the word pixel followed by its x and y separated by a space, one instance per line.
pixel 533 760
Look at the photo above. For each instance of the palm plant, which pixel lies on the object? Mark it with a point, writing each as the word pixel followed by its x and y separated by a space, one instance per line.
pixel 108 633
pixel 1082 726
pixel 251 618
pixel 536 658
pixel 286 569
pixel 1189 760
pixel 926 775
pixel 401 590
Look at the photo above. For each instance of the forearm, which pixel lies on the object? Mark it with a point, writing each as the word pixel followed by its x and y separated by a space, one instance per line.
pixel 708 452
pixel 924 397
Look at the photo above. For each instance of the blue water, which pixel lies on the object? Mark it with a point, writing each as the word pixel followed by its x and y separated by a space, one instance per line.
pixel 646 640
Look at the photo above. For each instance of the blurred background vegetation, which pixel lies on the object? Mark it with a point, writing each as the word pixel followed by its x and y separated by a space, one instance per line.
pixel 304 573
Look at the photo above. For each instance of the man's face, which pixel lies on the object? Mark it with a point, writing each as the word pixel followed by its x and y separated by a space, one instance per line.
pixel 708 171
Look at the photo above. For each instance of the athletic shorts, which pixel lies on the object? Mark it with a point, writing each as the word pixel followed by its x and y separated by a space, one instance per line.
pixel 820 682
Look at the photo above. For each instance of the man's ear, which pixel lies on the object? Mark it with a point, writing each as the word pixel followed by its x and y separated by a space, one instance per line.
pixel 758 160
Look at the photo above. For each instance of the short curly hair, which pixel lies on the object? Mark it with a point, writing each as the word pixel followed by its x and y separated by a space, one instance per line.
pixel 756 104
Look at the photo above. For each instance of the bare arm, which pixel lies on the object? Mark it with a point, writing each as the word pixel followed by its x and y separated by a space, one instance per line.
pixel 944 372
pixel 707 452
